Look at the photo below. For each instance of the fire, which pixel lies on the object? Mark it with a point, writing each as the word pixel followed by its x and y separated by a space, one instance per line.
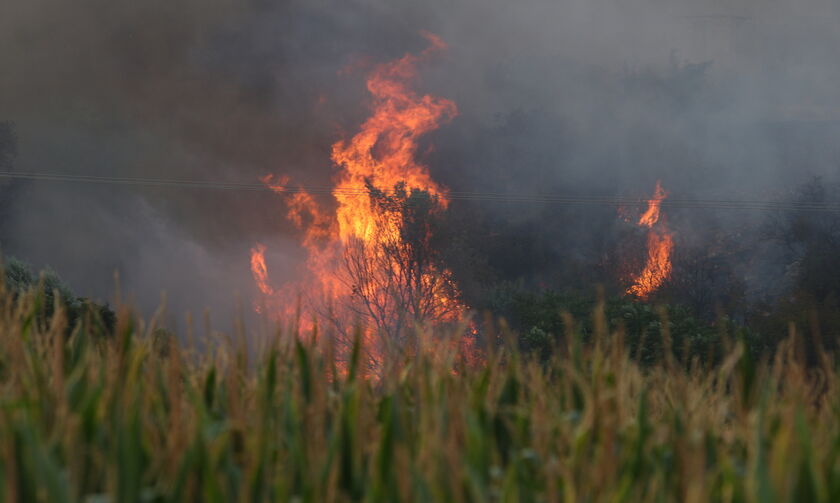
pixel 369 258
pixel 651 215
pixel 259 269
pixel 660 244
pixel 383 150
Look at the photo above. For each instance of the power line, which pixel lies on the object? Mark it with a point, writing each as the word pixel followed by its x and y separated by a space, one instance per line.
pixel 730 204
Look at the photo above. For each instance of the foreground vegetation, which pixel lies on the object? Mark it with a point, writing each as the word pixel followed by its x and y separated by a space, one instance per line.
pixel 134 415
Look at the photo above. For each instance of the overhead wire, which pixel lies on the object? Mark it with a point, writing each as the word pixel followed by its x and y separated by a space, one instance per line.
pixel 561 199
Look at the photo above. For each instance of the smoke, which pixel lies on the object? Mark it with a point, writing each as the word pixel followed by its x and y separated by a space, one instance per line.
pixel 717 99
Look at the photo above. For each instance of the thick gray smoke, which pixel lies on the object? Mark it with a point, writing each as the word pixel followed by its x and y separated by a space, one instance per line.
pixel 717 99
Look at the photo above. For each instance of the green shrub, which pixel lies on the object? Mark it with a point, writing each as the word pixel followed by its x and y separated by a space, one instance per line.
pixel 51 290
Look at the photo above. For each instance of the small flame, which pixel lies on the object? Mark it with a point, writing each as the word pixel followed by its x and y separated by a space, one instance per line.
pixel 651 215
pixel 259 269
pixel 660 244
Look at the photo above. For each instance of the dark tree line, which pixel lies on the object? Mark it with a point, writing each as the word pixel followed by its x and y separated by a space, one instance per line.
pixel 49 292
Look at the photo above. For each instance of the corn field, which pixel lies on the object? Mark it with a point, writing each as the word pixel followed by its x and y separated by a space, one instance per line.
pixel 143 416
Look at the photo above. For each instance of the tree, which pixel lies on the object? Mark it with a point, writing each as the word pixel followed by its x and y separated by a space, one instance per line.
pixel 18 279
pixel 396 274
pixel 705 276
pixel 808 239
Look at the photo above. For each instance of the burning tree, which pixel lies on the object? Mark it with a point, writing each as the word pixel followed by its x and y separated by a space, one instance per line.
pixel 397 279
pixel 371 261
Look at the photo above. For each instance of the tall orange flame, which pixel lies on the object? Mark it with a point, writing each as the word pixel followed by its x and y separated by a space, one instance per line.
pixel 383 151
pixel 379 158
pixel 660 244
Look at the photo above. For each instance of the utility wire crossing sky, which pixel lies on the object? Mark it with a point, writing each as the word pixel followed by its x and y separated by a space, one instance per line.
pixel 729 204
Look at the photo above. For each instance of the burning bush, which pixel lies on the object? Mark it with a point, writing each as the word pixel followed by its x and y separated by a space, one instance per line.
pixel 398 281
pixel 370 261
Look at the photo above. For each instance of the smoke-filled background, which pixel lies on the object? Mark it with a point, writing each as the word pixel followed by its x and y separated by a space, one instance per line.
pixel 719 100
